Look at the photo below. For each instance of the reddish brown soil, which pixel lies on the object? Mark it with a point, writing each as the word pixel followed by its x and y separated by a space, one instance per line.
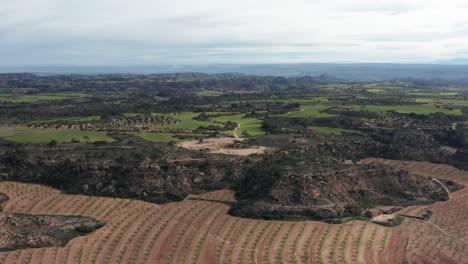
pixel 221 145
pixel 197 231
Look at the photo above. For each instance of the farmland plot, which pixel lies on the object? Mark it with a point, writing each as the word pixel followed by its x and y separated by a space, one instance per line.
pixel 444 237
pixel 199 230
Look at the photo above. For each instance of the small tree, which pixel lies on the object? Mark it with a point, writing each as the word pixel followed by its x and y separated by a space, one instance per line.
pixel 52 143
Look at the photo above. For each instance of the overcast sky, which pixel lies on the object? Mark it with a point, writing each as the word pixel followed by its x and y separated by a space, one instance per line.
pixel 111 32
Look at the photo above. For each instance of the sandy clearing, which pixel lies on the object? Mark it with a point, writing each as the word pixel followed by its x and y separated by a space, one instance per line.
pixel 221 146
pixel 7 131
pixel 383 217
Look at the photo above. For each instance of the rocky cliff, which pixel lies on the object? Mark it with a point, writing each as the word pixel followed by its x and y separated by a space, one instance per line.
pixel 314 192
pixel 161 181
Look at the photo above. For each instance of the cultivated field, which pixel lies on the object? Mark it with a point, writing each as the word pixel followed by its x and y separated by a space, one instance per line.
pixel 40 97
pixel 319 99
pixel 38 135
pixel 312 111
pixel 444 238
pixel 199 230
pixel 75 119
pixel 406 109
pixel 251 126
pixel 187 121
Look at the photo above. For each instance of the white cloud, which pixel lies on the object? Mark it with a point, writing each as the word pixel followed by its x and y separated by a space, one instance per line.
pixel 204 31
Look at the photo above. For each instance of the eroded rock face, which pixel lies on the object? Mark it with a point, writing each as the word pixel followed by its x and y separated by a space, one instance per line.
pixel 159 182
pixel 367 185
pixel 308 192
pixel 33 231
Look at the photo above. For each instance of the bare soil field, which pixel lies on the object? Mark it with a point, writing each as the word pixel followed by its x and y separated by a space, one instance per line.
pixel 199 230
pixel 6 131
pixel 221 145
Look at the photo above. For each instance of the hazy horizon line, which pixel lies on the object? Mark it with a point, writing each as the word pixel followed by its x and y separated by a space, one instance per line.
pixel 450 62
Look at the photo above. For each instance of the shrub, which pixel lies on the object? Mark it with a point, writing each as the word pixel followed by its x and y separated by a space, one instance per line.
pixel 84 229
pixel 100 142
pixel 52 143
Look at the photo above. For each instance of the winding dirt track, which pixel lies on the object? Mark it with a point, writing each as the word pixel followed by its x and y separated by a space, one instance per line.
pixel 200 231
pixel 235 131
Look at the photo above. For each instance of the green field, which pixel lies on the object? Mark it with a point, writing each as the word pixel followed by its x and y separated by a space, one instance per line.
pixel 333 130
pixel 210 93
pixel 115 102
pixel 449 93
pixel 311 111
pixel 438 101
pixel 406 109
pixel 41 97
pixel 435 94
pixel 87 118
pixel 221 113
pixel 335 86
pixel 283 101
pixel 32 98
pixel 273 99
pixel 37 135
pixel 77 119
pixel 377 90
pixel 252 126
pixel 70 94
pixel 187 121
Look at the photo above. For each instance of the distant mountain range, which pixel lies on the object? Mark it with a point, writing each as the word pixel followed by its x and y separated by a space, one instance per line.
pixel 456 70
pixel 458 61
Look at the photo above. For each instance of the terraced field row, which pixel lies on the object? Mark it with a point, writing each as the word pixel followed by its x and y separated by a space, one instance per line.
pixel 199 230
pixel 444 238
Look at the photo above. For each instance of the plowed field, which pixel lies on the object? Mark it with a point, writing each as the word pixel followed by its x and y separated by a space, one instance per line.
pixel 201 231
